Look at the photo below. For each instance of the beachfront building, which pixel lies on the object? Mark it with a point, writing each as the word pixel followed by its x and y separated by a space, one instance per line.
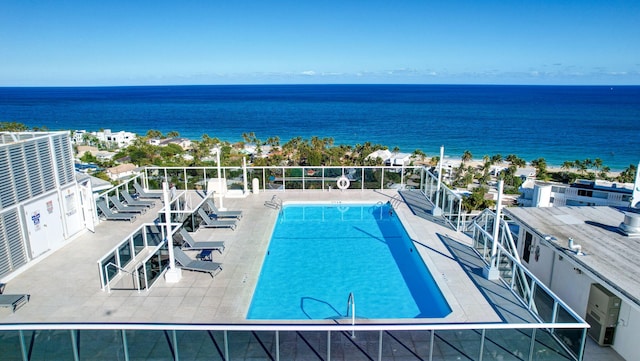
pixel 121 139
pixel 588 256
pixel 40 200
pixel 580 193
pixel 118 292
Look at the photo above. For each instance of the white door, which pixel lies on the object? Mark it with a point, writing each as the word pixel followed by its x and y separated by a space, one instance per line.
pixel 88 205
pixel 44 224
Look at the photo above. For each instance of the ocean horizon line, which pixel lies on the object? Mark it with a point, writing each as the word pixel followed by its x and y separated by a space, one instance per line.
pixel 318 84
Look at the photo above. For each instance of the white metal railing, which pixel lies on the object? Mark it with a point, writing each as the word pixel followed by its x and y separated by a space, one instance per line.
pixel 523 284
pixel 351 306
pixel 133 274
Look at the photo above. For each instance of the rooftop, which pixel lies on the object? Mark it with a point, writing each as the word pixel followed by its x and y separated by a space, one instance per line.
pixel 608 254
pixel 65 286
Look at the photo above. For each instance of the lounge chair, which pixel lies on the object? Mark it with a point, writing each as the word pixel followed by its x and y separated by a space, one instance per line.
pixel 207 222
pixel 195 265
pixel 189 243
pixel 135 202
pixel 14 301
pixel 274 203
pixel 145 194
pixel 215 212
pixel 121 208
pixel 110 216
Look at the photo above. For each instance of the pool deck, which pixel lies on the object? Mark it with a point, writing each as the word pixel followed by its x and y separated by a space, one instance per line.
pixel 65 286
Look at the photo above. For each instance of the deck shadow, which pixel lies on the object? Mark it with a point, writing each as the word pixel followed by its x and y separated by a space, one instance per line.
pixel 506 305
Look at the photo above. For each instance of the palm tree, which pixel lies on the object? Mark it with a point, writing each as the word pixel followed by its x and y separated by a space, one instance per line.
pixel 466 156
pixel 173 134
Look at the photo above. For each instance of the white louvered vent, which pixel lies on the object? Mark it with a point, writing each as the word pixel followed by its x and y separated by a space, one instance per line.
pixel 34 173
pixel 19 168
pixel 46 164
pixel 62 158
pixel 12 251
pixel 7 195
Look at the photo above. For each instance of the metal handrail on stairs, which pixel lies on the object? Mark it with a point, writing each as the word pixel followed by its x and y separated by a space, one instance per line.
pixel 135 276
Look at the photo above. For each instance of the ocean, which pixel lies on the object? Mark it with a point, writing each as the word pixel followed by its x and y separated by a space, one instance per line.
pixel 558 123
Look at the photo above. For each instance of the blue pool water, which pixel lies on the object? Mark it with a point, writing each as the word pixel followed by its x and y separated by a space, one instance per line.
pixel 318 254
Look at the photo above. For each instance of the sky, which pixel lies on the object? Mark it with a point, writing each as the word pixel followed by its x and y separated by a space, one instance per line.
pixel 95 43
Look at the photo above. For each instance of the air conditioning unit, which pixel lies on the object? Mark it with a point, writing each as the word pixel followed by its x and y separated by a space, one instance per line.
pixel 602 314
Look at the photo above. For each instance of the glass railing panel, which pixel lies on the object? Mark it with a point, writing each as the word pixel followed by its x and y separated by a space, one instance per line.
pixel 508 344
pixel 154 235
pixel 110 271
pixel 506 269
pixel 372 178
pixel 458 344
pixel 293 178
pixel 149 345
pixel 240 342
pixel 522 286
pixel 416 345
pixel 100 345
pixel 49 344
pixel 10 344
pixel 124 252
pixel 274 179
pixel 138 241
pixel 547 347
pixel 200 345
pixel 569 336
pixel 392 178
pixel 196 179
pixel 156 265
pixel 543 304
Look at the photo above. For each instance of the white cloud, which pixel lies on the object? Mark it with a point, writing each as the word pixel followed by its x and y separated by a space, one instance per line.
pixel 309 73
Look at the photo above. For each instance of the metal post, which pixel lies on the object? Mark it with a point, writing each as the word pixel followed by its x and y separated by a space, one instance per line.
pixel 226 346
pixel 176 355
pixel 431 339
pixel 484 332
pixel 533 343
pixel 219 169
pixel 329 345
pixel 74 345
pixel 277 345
pixel 23 346
pixel 492 272
pixel 173 274
pixel 436 211
pixel 380 347
pixel 244 175
pixel 125 347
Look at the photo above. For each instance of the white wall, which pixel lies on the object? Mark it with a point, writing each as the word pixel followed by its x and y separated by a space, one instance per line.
pixel 625 341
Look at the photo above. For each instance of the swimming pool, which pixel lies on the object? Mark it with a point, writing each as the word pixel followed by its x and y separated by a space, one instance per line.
pixel 319 254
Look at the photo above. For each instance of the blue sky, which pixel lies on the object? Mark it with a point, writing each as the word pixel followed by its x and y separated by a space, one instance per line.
pixel 270 42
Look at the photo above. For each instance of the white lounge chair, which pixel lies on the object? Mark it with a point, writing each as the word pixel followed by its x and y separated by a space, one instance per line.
pixel 195 265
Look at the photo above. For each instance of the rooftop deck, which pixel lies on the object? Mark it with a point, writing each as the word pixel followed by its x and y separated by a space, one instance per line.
pixel 65 286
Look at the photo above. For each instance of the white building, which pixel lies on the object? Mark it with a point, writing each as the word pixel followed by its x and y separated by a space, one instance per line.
pixel 40 200
pixel 595 273
pixel 121 138
pixel 580 193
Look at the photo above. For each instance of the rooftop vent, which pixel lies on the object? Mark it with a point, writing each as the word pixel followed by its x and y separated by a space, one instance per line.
pixel 631 225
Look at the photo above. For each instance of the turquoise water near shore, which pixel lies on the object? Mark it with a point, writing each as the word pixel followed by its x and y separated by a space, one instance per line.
pixel 558 123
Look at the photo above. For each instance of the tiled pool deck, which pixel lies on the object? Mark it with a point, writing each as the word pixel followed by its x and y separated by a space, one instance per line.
pixel 65 287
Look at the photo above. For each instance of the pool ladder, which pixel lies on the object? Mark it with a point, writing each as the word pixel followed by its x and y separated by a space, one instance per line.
pixel 351 305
